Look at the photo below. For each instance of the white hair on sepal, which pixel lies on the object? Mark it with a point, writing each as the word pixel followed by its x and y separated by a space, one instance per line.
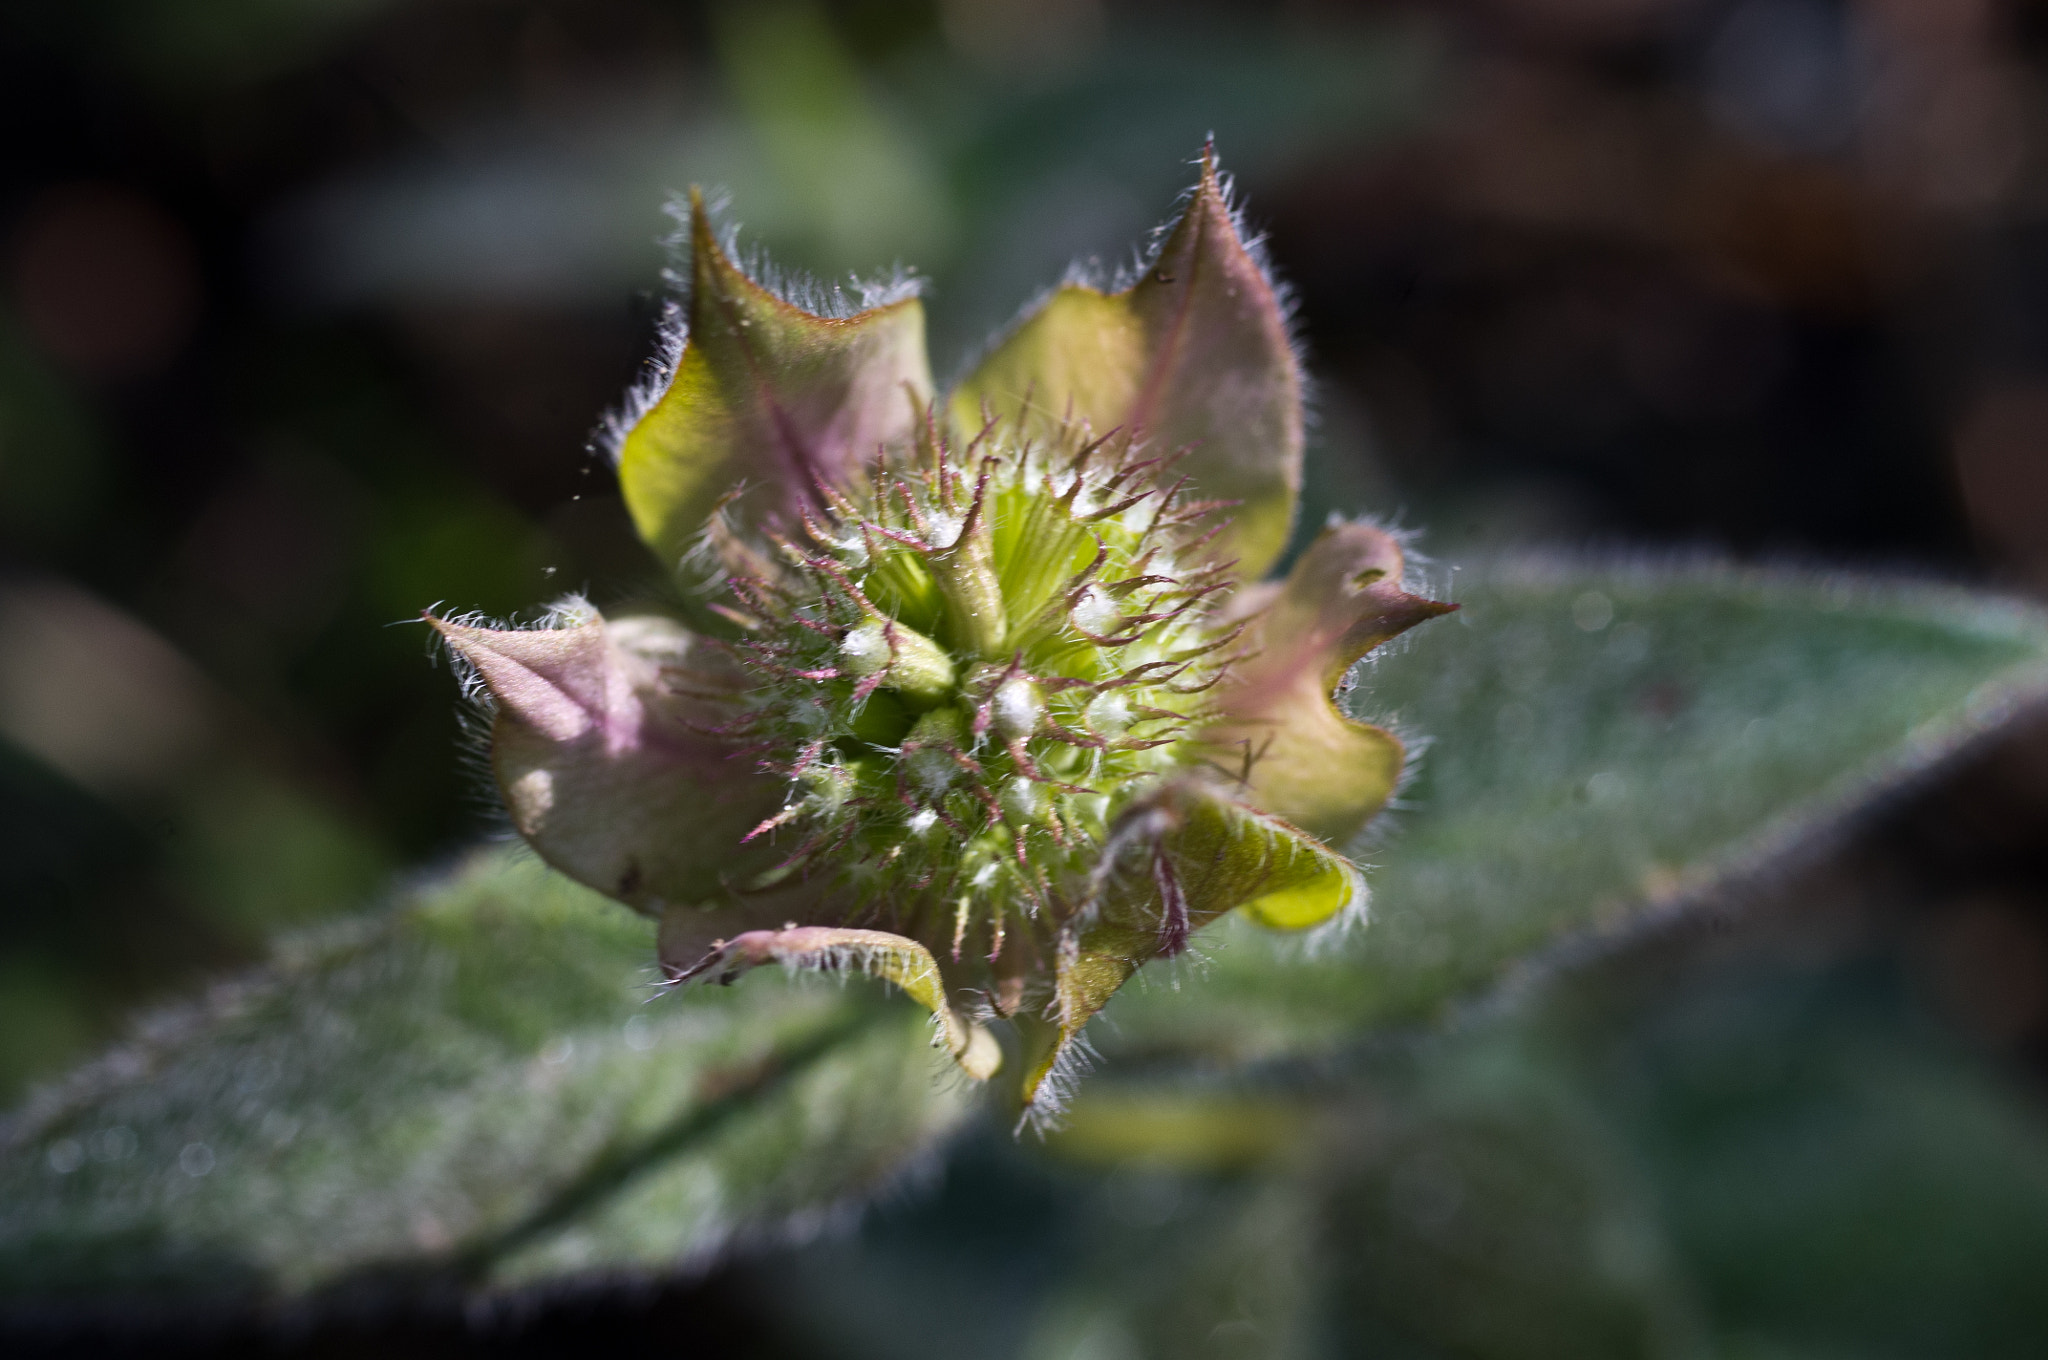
pixel 834 301
pixel 1192 964
pixel 1285 298
pixel 1091 272
pixel 570 611
pixel 1385 825
pixel 1046 1114
pixel 672 329
pixel 476 711
pixel 1421 574
pixel 672 334
pixel 481 795
pixel 1346 925
pixel 475 694
pixel 702 562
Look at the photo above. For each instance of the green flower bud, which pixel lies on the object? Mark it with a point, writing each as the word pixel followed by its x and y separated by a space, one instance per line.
pixel 1017 709
pixel 904 659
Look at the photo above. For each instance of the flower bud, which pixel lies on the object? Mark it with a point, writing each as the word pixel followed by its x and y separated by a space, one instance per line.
pixel 991 683
pixel 908 662
pixel 1017 709
pixel 931 751
pixel 1095 613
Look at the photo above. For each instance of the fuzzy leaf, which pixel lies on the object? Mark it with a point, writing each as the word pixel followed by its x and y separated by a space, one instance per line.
pixel 769 397
pixel 600 751
pixel 1733 1152
pixel 1300 757
pixel 476 1091
pixel 1606 746
pixel 1194 355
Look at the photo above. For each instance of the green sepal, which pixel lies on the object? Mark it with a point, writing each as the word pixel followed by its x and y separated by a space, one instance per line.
pixel 769 399
pixel 893 958
pixel 1280 732
pixel 1179 858
pixel 1194 356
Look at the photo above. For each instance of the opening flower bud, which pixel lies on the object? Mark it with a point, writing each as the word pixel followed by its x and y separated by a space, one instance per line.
pixel 1003 714
pixel 908 662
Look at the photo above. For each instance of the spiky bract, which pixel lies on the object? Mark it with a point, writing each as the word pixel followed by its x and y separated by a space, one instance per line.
pixel 969 666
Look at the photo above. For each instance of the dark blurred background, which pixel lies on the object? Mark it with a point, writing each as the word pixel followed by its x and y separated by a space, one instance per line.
pixel 308 307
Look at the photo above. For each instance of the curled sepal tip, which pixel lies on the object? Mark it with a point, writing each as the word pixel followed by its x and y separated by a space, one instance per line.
pixel 893 958
pixel 1194 357
pixel 1279 732
pixel 1178 858
pixel 770 398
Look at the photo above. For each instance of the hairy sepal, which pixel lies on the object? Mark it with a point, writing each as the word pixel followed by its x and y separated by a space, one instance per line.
pixel 1193 358
pixel 1177 859
pixel 877 953
pixel 768 398
pixel 601 750
pixel 1280 732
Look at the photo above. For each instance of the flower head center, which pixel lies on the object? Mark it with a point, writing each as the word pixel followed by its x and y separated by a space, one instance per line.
pixel 968 666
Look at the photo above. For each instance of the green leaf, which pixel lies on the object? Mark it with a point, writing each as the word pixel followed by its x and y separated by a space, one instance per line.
pixel 768 397
pixel 480 1089
pixel 1733 1151
pixel 1194 355
pixel 1466 1204
pixel 1237 1274
pixel 1606 746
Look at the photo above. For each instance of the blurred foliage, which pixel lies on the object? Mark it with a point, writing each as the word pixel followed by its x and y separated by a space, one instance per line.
pixel 1603 746
pixel 466 1092
pixel 1757 1162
